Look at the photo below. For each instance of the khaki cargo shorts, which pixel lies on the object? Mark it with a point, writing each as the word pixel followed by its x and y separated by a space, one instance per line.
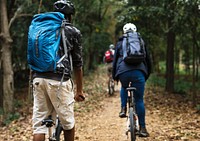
pixel 51 98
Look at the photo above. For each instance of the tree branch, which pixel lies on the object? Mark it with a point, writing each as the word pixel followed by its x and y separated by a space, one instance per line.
pixel 20 15
pixel 17 15
pixel 40 6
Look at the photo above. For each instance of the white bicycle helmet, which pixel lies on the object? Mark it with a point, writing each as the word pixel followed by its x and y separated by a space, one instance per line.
pixel 111 46
pixel 129 27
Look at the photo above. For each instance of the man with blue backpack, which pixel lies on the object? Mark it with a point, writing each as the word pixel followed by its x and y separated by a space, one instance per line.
pixel 54 51
pixel 132 64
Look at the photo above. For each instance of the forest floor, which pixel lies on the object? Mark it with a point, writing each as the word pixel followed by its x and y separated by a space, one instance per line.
pixel 169 117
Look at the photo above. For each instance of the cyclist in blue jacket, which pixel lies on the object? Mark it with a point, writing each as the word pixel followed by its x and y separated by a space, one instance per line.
pixel 136 74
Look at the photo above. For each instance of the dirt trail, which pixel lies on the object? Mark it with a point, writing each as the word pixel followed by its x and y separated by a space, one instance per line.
pixel 163 123
pixel 169 117
pixel 104 124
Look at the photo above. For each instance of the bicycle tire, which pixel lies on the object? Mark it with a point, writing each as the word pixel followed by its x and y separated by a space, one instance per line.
pixel 111 87
pixel 58 132
pixel 132 124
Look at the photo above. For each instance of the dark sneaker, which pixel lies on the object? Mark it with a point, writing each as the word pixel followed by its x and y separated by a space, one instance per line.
pixel 122 114
pixel 143 132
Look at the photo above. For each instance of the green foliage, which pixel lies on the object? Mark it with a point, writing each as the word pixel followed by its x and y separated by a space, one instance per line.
pixel 154 20
pixel 1 111
pixel 18 103
pixel 100 42
pixel 24 10
pixel 198 107
pixel 101 22
pixel 155 80
pixel 94 19
pixel 11 117
pixel 182 87
pixel 162 67
pixel 20 36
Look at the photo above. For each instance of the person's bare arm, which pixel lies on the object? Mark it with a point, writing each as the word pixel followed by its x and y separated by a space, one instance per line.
pixel 79 84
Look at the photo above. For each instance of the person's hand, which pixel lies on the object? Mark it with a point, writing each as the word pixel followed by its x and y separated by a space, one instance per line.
pixel 79 97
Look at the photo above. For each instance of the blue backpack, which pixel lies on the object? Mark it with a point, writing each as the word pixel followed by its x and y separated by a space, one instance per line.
pixel 44 38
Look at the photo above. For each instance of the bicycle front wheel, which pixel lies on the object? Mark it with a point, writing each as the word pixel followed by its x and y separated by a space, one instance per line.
pixel 111 87
pixel 132 124
pixel 58 131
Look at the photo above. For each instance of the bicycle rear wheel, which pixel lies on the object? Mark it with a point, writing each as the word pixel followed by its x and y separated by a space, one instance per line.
pixel 132 125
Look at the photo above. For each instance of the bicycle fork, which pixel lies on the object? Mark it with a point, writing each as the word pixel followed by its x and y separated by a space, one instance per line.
pixel 51 135
pixel 49 124
pixel 128 126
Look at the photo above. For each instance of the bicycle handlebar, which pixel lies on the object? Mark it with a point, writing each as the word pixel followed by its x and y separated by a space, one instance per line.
pixel 48 122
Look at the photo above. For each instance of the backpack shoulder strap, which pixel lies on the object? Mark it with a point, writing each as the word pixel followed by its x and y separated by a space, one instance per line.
pixel 66 43
pixel 141 43
pixel 63 38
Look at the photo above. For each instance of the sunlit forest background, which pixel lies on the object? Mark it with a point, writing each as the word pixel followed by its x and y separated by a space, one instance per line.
pixel 170 29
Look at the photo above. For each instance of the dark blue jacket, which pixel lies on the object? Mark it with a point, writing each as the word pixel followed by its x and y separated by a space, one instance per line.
pixel 119 66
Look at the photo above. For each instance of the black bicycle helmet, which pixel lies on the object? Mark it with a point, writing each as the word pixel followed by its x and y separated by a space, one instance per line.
pixel 65 7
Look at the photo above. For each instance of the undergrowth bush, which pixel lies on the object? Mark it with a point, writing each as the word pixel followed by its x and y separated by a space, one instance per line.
pixel 181 86
pixel 11 117
pixel 155 80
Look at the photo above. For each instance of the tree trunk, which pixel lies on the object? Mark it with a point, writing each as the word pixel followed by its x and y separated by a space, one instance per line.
pixel 194 64
pixel 1 88
pixel 8 82
pixel 194 94
pixel 170 61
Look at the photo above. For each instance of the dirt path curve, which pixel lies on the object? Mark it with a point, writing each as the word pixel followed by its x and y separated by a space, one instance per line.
pixel 169 117
pixel 165 122
pixel 103 124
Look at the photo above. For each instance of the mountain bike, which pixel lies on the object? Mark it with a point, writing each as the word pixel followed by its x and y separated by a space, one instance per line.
pixel 132 118
pixel 111 86
pixel 54 128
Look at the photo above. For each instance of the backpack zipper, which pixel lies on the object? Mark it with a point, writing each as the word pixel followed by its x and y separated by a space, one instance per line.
pixel 36 44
